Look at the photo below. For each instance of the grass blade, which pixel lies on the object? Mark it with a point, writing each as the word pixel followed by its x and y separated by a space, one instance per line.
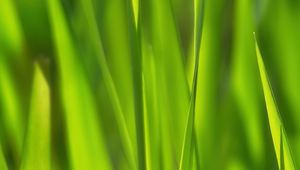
pixel 208 103
pixel 11 109
pixel 152 126
pixel 245 82
pixel 93 32
pixel 285 58
pixel 11 37
pixel 135 8
pixel 161 35
pixel 280 141
pixel 86 145
pixel 187 151
pixel 2 160
pixel 37 142
pixel 137 62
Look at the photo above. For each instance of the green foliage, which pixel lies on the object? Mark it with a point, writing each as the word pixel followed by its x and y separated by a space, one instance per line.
pixel 149 84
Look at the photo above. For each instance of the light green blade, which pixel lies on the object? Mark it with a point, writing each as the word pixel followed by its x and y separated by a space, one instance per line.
pixel 36 154
pixel 10 32
pixel 11 109
pixel 187 149
pixel 208 87
pixel 283 18
pixel 85 140
pixel 135 7
pixel 282 150
pixel 152 131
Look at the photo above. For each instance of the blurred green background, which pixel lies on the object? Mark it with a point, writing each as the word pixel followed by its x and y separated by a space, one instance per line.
pixel 108 84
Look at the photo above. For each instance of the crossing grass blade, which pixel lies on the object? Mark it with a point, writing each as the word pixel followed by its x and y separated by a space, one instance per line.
pixel 36 153
pixel 280 141
pixel 86 144
pixel 189 138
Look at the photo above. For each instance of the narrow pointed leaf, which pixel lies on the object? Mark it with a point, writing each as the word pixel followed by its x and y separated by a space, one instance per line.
pixel 36 153
pixel 280 141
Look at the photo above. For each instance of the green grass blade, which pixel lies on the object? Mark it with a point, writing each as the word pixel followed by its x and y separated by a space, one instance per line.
pixel 85 140
pixel 208 97
pixel 93 32
pixel 135 8
pixel 151 111
pixel 160 33
pixel 148 142
pixel 2 160
pixel 11 37
pixel 187 150
pixel 11 110
pixel 285 59
pixel 245 82
pixel 137 62
pixel 277 129
pixel 36 154
pixel 198 22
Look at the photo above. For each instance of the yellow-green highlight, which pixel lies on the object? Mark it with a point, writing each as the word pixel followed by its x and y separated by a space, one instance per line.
pixel 37 146
pixel 275 122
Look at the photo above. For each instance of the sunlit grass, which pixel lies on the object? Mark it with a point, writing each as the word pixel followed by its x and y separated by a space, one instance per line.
pixel 149 84
pixel 36 153
pixel 190 139
pixel 85 142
